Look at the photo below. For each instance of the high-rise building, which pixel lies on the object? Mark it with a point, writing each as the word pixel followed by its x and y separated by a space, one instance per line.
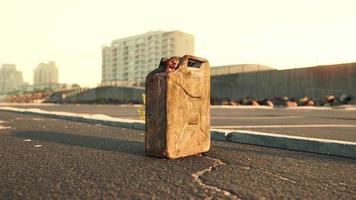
pixel 46 73
pixel 128 60
pixel 10 78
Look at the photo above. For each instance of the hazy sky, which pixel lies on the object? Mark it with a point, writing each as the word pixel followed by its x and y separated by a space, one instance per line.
pixel 280 33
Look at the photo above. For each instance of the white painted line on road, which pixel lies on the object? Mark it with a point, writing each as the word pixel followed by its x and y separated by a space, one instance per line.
pixel 349 108
pixel 27 104
pixel 241 107
pixel 37 119
pixel 4 127
pixel 289 126
pixel 291 137
pixel 271 117
pixel 54 104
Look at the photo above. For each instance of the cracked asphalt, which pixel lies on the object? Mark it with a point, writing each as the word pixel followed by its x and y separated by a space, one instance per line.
pixel 44 158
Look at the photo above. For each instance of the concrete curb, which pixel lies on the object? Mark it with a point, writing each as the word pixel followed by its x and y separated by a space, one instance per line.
pixel 313 145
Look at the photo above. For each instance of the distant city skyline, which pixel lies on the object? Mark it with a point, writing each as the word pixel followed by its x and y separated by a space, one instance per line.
pixel 277 33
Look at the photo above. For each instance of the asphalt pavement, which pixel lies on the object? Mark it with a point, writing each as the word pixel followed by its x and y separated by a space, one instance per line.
pixel 45 158
pixel 335 124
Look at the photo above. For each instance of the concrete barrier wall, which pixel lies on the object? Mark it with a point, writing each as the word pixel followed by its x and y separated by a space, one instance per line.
pixel 108 94
pixel 314 82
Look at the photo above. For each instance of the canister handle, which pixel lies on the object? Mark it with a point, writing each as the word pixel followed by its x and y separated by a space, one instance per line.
pixel 197 62
pixel 190 57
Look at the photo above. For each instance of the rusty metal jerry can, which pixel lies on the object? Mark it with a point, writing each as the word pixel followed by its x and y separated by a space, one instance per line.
pixel 178 108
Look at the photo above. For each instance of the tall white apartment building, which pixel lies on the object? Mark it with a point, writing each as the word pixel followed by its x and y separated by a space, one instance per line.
pixel 128 60
pixel 45 74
